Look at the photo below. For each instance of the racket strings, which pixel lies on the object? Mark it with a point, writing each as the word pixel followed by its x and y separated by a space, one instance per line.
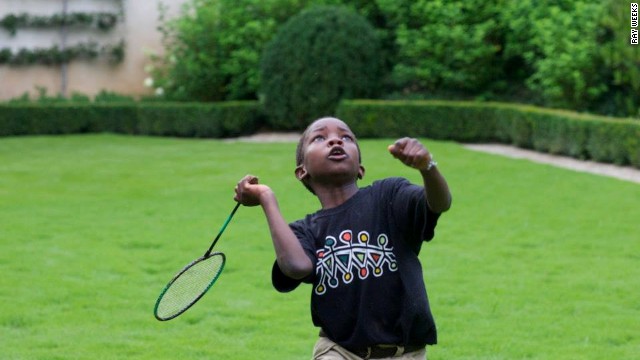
pixel 189 286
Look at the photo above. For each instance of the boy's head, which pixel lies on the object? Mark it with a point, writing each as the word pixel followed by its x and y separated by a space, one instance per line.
pixel 328 154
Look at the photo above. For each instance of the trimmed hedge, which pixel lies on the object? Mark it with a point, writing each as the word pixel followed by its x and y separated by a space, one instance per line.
pixel 198 120
pixel 459 121
pixel 164 119
pixel 51 119
pixel 581 136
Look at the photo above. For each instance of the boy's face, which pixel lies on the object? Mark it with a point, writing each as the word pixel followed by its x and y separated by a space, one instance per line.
pixel 330 154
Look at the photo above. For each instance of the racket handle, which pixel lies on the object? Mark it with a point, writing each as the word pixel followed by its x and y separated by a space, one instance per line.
pixel 224 226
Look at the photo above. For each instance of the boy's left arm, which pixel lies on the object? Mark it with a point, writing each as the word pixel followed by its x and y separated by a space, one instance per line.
pixel 414 154
pixel 436 189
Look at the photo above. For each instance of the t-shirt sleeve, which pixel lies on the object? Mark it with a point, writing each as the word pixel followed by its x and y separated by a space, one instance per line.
pixel 282 282
pixel 411 213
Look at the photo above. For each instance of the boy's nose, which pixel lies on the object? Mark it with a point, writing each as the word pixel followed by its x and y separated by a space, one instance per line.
pixel 334 141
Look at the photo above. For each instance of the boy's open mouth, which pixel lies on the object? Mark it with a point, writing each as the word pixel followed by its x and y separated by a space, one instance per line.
pixel 337 153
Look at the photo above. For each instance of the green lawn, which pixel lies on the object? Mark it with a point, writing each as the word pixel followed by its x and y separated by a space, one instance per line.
pixel 531 262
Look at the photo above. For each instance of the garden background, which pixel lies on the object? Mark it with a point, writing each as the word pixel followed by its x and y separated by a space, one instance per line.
pixel 531 262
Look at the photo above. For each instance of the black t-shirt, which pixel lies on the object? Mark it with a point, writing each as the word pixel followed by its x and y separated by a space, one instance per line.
pixel 368 286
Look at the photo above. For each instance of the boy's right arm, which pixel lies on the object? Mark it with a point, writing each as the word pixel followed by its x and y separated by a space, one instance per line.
pixel 291 257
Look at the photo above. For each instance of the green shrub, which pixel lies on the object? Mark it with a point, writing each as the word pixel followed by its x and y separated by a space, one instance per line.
pixel 620 62
pixel 514 126
pixel 239 117
pixel 198 119
pixel 631 143
pixel 574 54
pixel 548 133
pixel 105 96
pixel 576 141
pixel 319 57
pixel 459 121
pixel 163 119
pixel 608 141
pixel 14 119
pixel 22 119
pixel 446 45
pixel 581 136
pixel 113 117
pixel 213 48
pixel 185 119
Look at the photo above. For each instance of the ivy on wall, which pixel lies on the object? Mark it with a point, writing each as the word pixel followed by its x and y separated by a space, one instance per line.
pixel 55 55
pixel 103 21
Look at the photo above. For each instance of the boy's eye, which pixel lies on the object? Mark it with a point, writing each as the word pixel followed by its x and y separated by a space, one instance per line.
pixel 318 138
pixel 347 138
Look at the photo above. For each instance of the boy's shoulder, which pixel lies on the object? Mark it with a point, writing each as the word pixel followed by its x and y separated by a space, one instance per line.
pixel 389 184
pixel 394 180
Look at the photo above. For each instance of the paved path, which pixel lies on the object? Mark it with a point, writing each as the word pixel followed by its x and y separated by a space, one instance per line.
pixel 619 172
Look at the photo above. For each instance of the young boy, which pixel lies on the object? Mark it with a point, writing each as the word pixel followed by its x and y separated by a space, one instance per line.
pixel 360 251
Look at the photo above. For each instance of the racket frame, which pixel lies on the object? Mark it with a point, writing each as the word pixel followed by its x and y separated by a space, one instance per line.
pixel 195 300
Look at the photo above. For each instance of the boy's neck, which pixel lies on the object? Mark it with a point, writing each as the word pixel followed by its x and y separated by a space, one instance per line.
pixel 331 197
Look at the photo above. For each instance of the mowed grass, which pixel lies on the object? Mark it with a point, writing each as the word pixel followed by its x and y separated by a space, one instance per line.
pixel 532 261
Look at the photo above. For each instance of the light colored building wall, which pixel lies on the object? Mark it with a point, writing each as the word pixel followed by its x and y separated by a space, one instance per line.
pixel 138 28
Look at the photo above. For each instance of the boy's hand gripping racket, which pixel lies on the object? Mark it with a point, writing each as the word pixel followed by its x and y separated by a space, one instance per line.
pixel 192 282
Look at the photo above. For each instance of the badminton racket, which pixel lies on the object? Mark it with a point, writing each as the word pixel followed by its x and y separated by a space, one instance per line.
pixel 191 283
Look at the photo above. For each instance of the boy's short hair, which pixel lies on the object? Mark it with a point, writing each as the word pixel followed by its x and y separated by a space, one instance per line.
pixel 300 154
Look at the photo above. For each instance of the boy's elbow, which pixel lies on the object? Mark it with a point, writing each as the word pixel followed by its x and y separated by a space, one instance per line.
pixel 445 207
pixel 296 268
pixel 440 206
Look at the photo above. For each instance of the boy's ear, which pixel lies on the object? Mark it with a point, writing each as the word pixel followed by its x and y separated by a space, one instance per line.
pixel 301 172
pixel 361 172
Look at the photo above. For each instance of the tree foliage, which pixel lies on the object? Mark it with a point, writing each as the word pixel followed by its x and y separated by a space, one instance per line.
pixel 572 54
pixel 319 57
pixel 558 44
pixel 621 62
pixel 214 47
pixel 445 45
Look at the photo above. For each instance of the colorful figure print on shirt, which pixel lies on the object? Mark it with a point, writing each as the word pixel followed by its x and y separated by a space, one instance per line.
pixel 344 258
